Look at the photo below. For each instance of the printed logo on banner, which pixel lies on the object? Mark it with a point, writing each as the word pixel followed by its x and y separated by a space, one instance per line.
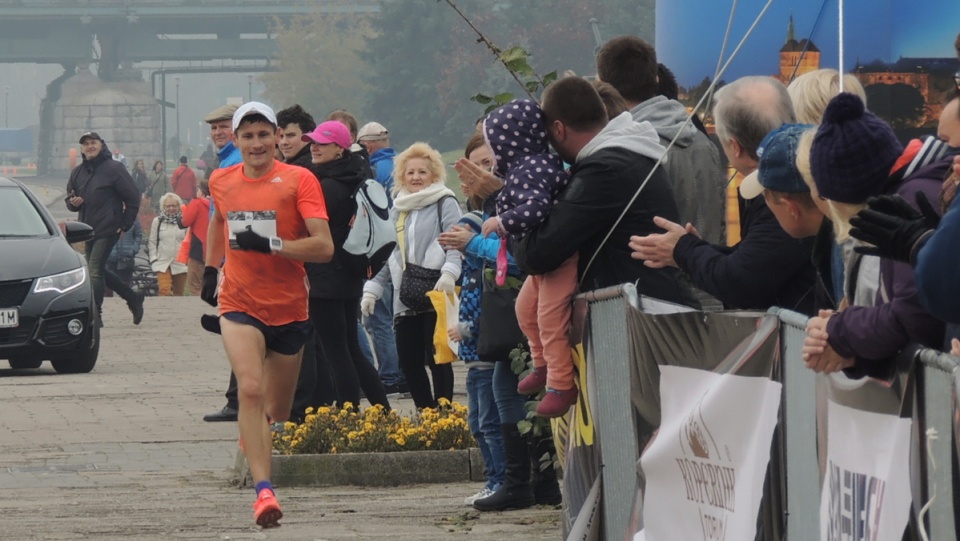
pixel 866 494
pixel 583 430
pixel 710 478
pixel 855 504
pixel 706 465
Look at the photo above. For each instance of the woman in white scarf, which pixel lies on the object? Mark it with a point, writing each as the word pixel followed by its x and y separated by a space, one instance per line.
pixel 164 245
pixel 423 208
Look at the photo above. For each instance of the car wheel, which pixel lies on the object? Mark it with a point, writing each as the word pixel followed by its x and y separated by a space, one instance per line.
pixel 21 364
pixel 84 360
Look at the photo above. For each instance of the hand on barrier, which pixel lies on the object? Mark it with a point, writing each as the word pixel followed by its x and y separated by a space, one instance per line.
pixel 818 354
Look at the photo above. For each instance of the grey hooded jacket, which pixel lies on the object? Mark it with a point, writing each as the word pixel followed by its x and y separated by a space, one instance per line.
pixel 692 167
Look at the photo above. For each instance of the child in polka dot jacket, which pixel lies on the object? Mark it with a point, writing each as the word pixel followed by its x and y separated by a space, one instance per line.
pixel 533 178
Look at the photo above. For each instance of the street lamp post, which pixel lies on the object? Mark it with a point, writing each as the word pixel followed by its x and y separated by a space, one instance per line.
pixel 249 87
pixel 176 81
pixel 6 94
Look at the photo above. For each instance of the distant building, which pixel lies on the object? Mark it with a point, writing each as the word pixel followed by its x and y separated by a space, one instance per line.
pixel 932 77
pixel 797 57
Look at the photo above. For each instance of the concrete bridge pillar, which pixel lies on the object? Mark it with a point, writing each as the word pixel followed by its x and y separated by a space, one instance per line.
pixel 124 113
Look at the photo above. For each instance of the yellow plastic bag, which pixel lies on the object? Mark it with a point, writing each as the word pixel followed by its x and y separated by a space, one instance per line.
pixel 447 307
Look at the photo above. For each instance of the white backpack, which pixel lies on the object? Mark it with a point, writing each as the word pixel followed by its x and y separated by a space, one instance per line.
pixel 372 234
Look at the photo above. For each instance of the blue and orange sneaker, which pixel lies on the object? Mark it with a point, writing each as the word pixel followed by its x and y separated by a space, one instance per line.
pixel 266 510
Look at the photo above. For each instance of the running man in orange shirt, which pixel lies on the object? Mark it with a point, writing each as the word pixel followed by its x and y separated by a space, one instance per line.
pixel 270 218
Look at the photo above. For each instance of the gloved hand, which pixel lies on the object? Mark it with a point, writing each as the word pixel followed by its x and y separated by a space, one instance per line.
pixel 210 323
pixel 251 240
pixel 446 283
pixel 368 303
pixel 893 227
pixel 208 289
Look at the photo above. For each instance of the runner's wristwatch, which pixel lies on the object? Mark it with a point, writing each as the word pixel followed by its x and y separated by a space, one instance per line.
pixel 276 244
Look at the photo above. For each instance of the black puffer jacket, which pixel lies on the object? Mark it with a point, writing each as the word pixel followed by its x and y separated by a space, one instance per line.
pixel 600 187
pixel 343 276
pixel 110 198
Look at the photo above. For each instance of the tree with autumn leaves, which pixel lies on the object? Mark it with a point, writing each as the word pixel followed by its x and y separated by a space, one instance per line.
pixel 415 65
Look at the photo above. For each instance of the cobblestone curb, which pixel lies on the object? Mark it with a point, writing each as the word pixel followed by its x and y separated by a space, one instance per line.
pixel 370 469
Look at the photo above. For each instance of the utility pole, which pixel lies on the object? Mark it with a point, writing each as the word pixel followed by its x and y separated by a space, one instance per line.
pixel 6 110
pixel 176 81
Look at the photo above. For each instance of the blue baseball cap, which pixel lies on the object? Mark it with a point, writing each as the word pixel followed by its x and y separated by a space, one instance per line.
pixel 778 163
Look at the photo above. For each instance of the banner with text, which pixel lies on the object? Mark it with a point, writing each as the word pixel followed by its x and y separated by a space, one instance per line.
pixel 706 466
pixel 866 490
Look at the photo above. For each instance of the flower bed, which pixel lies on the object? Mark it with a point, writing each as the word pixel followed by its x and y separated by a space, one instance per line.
pixel 362 447
pixel 349 430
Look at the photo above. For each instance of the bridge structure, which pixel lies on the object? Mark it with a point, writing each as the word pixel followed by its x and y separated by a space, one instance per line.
pixel 109 32
pixel 123 37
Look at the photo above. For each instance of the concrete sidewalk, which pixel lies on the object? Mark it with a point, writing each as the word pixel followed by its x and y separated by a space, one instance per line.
pixel 122 453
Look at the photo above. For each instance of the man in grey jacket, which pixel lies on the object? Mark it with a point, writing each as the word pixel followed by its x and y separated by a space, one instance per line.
pixel 692 164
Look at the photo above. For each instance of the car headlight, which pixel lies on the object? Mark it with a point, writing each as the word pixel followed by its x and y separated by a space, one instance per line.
pixel 61 283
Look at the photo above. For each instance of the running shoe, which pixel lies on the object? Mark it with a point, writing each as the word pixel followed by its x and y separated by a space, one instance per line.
pixel 266 510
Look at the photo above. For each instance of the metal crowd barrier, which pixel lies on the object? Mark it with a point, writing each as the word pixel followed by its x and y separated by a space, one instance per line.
pixel 938 385
pixel 934 379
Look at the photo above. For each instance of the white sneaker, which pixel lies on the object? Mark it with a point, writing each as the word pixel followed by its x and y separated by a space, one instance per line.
pixel 484 492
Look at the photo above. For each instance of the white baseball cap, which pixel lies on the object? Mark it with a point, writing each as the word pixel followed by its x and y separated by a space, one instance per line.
pixel 372 131
pixel 253 108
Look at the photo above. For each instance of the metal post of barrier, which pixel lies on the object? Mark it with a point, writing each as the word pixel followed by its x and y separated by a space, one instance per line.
pixel 802 506
pixel 937 414
pixel 610 352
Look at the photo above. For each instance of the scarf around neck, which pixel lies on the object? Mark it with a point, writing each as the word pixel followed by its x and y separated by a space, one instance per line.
pixel 171 218
pixel 406 201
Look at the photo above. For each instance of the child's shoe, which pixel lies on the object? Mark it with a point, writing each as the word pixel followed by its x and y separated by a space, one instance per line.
pixel 557 402
pixel 535 381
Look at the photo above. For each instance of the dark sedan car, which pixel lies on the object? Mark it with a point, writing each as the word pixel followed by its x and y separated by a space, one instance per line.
pixel 46 303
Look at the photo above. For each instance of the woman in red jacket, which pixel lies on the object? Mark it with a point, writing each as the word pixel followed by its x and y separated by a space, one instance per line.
pixel 196 217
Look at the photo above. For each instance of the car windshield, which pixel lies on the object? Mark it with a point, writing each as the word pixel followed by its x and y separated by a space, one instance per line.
pixel 18 216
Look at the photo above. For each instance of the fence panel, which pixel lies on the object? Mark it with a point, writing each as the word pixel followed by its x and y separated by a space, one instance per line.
pixel 926 389
pixel 799 417
pixel 938 412
pixel 608 331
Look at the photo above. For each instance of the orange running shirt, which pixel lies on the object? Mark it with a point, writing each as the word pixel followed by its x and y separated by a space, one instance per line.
pixel 271 288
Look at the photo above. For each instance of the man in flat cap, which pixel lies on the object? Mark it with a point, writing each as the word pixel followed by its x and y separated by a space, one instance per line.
pixel 221 133
pixel 103 193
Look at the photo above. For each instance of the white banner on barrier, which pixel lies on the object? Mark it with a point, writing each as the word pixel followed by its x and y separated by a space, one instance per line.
pixel 705 467
pixel 866 490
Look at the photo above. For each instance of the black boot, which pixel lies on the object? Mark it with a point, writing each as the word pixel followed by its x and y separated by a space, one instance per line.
pixel 516 492
pixel 546 489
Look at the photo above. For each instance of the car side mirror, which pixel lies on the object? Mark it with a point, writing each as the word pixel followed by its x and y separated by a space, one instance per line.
pixel 77 232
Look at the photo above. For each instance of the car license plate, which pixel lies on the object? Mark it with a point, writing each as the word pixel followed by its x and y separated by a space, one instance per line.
pixel 9 317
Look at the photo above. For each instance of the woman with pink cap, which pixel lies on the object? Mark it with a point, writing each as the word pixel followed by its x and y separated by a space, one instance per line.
pixel 336 287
